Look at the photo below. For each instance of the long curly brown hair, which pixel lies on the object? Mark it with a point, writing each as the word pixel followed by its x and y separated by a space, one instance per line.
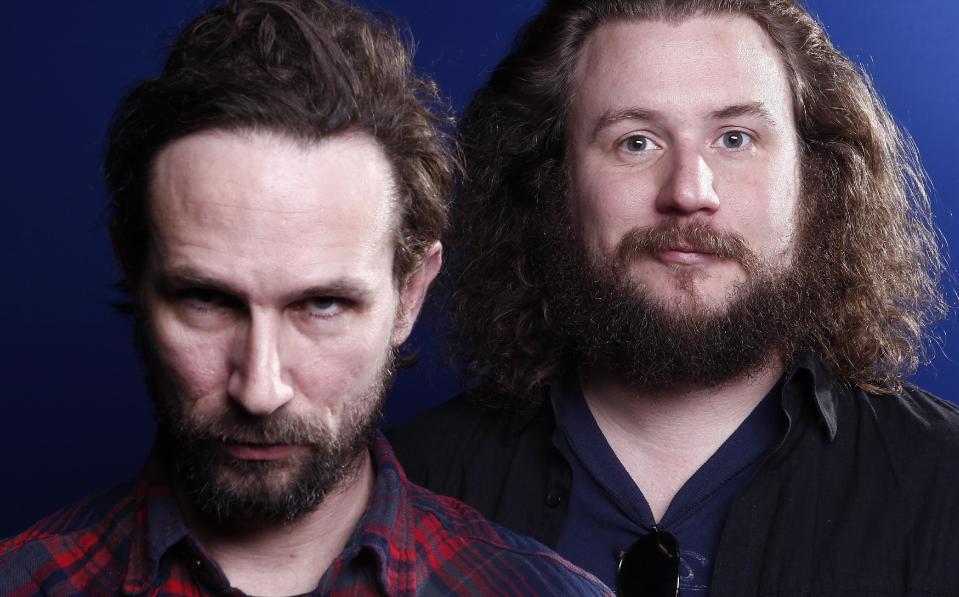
pixel 864 194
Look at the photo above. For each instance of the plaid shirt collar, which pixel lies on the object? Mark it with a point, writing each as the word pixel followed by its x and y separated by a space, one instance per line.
pixel 386 531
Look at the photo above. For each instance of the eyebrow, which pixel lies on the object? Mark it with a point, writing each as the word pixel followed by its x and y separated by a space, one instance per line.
pixel 754 109
pixel 610 117
pixel 169 281
pixel 346 286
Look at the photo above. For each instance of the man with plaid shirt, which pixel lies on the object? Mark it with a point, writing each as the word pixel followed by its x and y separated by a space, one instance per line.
pixel 278 196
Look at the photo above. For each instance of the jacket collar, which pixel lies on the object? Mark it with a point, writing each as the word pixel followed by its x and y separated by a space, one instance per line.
pixel 808 376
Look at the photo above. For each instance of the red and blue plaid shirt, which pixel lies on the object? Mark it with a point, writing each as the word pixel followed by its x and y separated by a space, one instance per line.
pixel 133 540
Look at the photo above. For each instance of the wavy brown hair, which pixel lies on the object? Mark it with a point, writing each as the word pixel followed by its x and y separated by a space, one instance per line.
pixel 307 69
pixel 864 193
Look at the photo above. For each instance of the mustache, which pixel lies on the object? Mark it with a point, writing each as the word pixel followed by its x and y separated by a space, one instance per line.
pixel 697 237
pixel 237 427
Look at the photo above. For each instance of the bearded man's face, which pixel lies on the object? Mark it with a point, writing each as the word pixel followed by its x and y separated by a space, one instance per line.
pixel 684 167
pixel 271 315
pixel 689 123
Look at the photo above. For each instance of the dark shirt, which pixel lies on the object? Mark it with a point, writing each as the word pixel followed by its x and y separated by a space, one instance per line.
pixel 859 495
pixel 608 512
pixel 133 540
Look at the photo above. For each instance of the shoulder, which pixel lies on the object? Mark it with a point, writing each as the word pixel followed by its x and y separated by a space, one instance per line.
pixel 446 434
pixel 915 433
pixel 465 441
pixel 465 412
pixel 489 558
pixel 93 532
pixel 908 445
pixel 913 418
pixel 464 424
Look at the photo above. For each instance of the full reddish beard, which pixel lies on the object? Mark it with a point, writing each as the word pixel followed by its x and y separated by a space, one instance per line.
pixel 611 321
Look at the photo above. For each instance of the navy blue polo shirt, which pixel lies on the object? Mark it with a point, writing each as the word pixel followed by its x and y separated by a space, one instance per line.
pixel 608 512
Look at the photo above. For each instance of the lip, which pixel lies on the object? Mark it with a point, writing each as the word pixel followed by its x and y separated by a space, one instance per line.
pixel 683 256
pixel 242 451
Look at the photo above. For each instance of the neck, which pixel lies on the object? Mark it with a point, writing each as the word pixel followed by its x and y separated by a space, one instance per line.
pixel 662 437
pixel 288 558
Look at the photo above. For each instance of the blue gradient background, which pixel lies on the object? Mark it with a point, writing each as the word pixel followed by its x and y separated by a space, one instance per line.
pixel 75 418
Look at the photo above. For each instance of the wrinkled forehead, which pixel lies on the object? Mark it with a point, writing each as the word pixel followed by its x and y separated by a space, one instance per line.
pixel 258 168
pixel 263 202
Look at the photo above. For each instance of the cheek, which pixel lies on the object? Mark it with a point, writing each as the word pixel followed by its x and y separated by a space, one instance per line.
pixel 330 370
pixel 195 364
pixel 763 207
pixel 781 211
pixel 782 223
pixel 607 204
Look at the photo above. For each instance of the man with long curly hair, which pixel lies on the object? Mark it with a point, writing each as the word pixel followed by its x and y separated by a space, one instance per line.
pixel 693 261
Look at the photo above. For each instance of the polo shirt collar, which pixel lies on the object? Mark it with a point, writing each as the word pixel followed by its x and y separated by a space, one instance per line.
pixel 807 375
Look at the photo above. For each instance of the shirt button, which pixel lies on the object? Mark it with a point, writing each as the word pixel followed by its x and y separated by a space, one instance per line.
pixel 197 564
pixel 555 498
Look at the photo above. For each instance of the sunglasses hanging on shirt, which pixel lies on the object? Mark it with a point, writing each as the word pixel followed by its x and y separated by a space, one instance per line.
pixel 650 567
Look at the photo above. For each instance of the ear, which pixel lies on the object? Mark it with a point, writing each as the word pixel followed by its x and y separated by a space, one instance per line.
pixel 414 292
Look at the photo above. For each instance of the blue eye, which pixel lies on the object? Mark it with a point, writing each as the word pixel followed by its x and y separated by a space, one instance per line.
pixel 323 306
pixel 638 144
pixel 735 140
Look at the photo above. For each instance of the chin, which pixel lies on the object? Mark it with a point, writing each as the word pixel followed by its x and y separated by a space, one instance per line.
pixel 698 299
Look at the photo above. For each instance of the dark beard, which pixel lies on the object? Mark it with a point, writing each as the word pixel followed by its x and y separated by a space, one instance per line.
pixel 610 323
pixel 229 490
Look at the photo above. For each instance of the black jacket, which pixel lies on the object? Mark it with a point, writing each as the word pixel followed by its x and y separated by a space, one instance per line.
pixel 860 496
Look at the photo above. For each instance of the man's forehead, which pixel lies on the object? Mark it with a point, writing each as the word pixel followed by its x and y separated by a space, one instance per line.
pixel 251 181
pixel 269 171
pixel 713 62
pixel 239 206
pixel 672 40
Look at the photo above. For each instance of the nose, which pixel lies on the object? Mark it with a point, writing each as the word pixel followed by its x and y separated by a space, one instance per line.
pixel 688 186
pixel 258 380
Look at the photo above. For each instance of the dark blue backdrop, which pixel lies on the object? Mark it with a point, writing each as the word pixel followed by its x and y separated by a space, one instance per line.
pixel 75 418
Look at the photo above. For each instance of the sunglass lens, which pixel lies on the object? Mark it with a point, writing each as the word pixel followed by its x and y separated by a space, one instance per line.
pixel 650 567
